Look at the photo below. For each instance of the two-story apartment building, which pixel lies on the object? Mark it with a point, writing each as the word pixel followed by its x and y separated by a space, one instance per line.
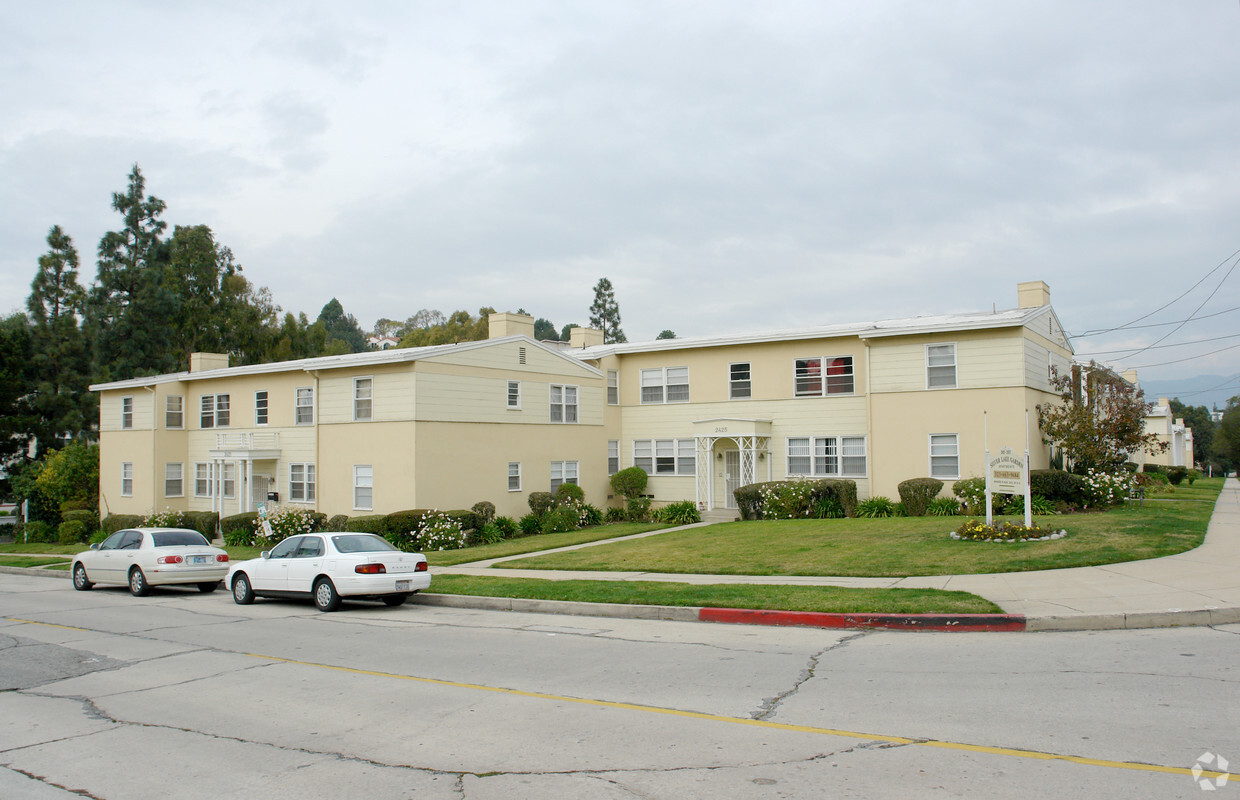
pixel 447 426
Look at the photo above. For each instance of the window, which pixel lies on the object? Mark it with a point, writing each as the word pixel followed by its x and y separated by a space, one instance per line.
pixel 514 476
pixel 230 479
pixel 739 385
pixel 613 456
pixel 301 483
pixel 817 377
pixel 613 387
pixel 174 480
pixel 214 411
pixel 260 408
pixel 665 385
pixel 563 403
pixel 941 366
pixel 665 456
pixel 362 389
pixel 174 411
pixel 563 472
pixel 514 394
pixel 202 479
pixel 826 455
pixel 127 479
pixel 944 455
pixel 126 413
pixel 363 486
pixel 303 411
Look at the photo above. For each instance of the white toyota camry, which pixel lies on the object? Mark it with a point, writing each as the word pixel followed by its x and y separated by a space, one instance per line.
pixel 328 567
pixel 146 557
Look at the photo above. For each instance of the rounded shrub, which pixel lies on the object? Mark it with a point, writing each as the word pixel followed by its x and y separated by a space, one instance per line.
pixel 916 494
pixel 73 531
pixel 38 531
pixel 119 522
pixel 485 511
pixel 561 519
pixel 337 522
pixel 541 503
pixel 569 493
pixel 629 483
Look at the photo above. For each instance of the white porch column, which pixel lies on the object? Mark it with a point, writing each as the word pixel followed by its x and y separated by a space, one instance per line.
pixel 249 480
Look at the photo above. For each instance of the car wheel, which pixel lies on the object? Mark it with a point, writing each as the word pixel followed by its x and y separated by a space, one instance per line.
pixel 326 598
pixel 79 579
pixel 243 595
pixel 208 588
pixel 137 583
pixel 395 599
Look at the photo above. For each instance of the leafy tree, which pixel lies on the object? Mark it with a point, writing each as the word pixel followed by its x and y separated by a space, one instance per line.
pixel 566 333
pixel 388 327
pixel 461 326
pixel 544 330
pixel 18 416
pixel 605 312
pixel 71 475
pixel 344 335
pixel 666 333
pixel 60 359
pixel 1227 439
pixel 1198 418
pixel 1100 420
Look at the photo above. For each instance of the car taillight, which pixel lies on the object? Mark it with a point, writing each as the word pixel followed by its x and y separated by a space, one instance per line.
pixel 421 567
pixel 222 558
pixel 370 569
pixel 169 560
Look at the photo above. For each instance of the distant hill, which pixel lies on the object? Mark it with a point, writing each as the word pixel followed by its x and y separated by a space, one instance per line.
pixel 1199 390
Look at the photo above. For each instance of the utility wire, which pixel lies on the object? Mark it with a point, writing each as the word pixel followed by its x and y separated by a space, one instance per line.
pixel 1209 297
pixel 1182 360
pixel 1100 331
pixel 1161 346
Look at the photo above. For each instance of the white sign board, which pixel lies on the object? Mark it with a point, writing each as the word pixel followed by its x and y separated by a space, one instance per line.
pixel 1005 474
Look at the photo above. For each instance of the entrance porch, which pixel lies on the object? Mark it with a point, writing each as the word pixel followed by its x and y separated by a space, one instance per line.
pixel 731 453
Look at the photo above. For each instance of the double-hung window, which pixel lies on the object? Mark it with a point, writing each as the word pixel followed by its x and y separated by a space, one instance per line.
pixel 229 479
pixel 563 403
pixel 665 385
pixel 174 412
pixel 826 456
pixel 665 456
pixel 301 483
pixel 260 408
pixel 202 479
pixel 563 472
pixel 514 476
pixel 126 413
pixel 174 480
pixel 613 387
pixel 739 383
pixel 944 455
pixel 303 412
pixel 214 411
pixel 363 487
pixel 613 456
pixel 127 479
pixel 941 366
pixel 514 395
pixel 818 376
pixel 362 400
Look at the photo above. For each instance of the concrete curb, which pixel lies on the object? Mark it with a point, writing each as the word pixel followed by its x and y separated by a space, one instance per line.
pixel 46 573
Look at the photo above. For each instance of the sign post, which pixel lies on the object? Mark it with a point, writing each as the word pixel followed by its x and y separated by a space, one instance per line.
pixel 1027 480
pixel 986 441
pixel 1006 473
pixel 262 519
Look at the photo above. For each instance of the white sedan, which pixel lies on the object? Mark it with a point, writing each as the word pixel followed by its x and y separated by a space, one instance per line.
pixel 329 567
pixel 146 557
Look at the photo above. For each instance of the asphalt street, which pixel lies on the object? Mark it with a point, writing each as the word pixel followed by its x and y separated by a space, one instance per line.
pixel 185 695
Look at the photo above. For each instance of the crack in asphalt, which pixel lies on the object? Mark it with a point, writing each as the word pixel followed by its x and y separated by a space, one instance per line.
pixel 771 704
pixel 43 779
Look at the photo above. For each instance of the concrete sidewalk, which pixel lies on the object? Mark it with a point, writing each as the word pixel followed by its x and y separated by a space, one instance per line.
pixel 1199 587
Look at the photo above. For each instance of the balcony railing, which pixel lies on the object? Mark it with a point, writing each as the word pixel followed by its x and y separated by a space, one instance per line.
pixel 247 441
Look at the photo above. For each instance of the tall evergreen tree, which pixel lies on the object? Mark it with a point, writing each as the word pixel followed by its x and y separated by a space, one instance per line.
pixel 544 330
pixel 18 418
pixel 605 313
pixel 344 335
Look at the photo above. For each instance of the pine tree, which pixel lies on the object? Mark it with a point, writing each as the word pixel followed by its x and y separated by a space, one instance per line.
pixel 605 313
pixel 344 335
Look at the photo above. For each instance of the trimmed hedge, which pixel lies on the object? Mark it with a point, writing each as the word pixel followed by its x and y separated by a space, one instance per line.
pixel 205 522
pixel 916 494
pixel 468 520
pixel 371 523
pixel 116 522
pixel 39 532
pixel 73 531
pixel 750 503
pixel 1059 486
pixel 239 523
pixel 339 522
pixel 87 517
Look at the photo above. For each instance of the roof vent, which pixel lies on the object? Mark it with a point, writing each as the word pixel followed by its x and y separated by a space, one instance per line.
pixel 521 355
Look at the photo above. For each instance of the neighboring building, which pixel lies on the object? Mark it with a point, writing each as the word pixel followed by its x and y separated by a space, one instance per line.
pixel 383 342
pixel 1179 438
pixel 448 426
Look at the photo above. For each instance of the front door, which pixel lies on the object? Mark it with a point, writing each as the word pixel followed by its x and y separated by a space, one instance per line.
pixel 731 476
pixel 261 485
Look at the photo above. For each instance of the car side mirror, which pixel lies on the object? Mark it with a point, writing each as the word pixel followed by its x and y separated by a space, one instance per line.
pixel 265 554
pixel 94 546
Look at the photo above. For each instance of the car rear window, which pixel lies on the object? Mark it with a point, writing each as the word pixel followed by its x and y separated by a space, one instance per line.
pixel 360 543
pixel 177 538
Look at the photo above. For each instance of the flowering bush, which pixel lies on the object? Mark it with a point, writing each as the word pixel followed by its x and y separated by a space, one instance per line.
pixel 164 519
pixel 285 522
pixel 438 531
pixel 1107 489
pixel 786 499
pixel 977 531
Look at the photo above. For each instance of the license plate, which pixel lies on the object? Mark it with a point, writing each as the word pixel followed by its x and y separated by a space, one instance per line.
pixel 199 559
pixel 404 584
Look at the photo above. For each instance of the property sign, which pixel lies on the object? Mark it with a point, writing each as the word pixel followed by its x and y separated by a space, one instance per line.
pixel 1005 474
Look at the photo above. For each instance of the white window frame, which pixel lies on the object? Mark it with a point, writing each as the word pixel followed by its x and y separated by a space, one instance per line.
pixel 228 472
pixel 613 387
pixel 740 388
pixel 565 472
pixel 825 381
pixel 363 487
pixel 179 411
pixel 661 379
pixel 203 485
pixel 126 479
pixel 948 454
pixel 214 411
pixel 364 406
pixel 562 408
pixel 513 398
pixel 613 456
pixel 262 407
pixel 514 476
pixel 302 486
pixel 127 413
pixel 300 394
pixel 169 479
pixel 665 457
pixel 942 367
pixel 834 456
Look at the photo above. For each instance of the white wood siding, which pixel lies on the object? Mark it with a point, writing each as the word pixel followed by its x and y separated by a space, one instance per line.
pixel 479 398
pixel 143 410
pixel 995 360
pixel 507 357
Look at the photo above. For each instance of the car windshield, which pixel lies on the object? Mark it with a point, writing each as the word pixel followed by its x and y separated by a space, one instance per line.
pixel 360 543
pixel 177 538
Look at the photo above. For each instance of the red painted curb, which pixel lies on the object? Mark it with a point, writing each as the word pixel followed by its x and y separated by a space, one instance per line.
pixel 917 622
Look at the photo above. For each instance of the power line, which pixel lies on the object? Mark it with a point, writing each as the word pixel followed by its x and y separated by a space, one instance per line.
pixel 1182 360
pixel 1209 297
pixel 1161 346
pixel 1100 331
pixel 1222 385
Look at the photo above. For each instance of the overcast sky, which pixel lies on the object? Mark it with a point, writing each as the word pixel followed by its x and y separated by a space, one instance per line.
pixel 728 167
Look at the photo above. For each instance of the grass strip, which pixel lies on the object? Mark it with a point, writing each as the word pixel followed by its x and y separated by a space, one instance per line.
pixel 545 541
pixel 834 599
pixel 29 561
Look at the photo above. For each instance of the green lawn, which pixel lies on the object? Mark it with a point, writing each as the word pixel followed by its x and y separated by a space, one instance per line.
pixel 1167 523
pixel 780 598
pixel 28 561
pixel 530 544
pixel 59 549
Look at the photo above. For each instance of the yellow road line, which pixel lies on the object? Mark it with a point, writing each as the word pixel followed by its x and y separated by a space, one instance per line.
pixel 48 624
pixel 757 723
